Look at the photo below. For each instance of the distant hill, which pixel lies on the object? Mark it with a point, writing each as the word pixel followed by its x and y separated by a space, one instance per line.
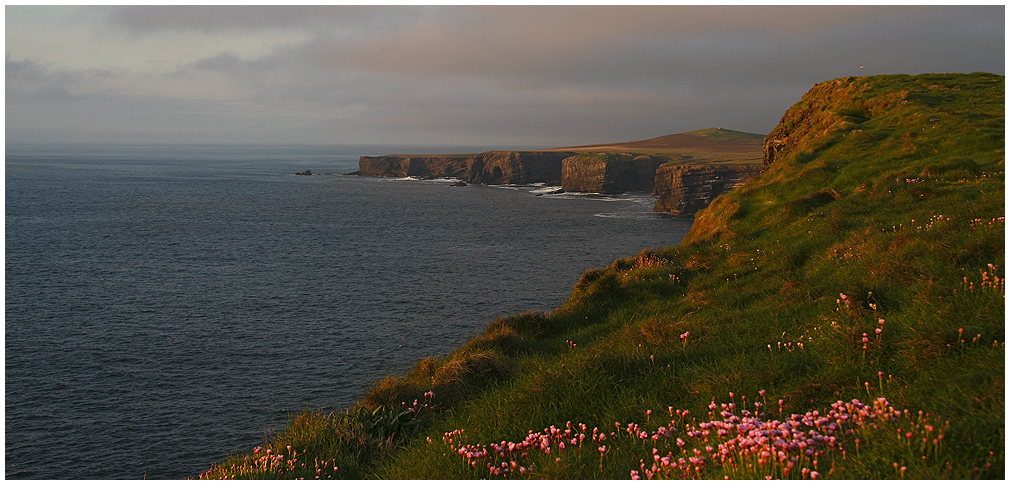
pixel 715 140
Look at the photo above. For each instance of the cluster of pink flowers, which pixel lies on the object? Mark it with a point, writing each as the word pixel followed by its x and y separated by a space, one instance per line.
pixel 729 439
pixel 747 440
pixel 990 281
pixel 414 408
pixel 788 346
pixel 933 221
pixel 794 346
pixel 844 300
pixel 977 222
pixel 502 459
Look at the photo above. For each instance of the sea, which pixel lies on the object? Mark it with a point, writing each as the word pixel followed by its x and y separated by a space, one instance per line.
pixel 168 306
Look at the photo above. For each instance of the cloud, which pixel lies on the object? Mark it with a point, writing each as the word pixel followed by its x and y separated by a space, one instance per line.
pixel 30 78
pixel 548 75
pixel 223 18
pixel 529 47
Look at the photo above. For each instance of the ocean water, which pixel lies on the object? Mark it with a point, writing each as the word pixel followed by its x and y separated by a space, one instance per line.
pixel 168 306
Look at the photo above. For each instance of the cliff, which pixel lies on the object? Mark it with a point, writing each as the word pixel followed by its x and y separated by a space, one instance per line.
pixel 604 169
pixel 605 173
pixel 492 168
pixel 601 173
pixel 423 166
pixel 685 189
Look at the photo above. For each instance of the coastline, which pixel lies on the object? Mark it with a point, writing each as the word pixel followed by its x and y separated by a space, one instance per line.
pixel 783 290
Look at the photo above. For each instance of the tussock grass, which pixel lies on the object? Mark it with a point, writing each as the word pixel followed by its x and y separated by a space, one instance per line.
pixel 860 279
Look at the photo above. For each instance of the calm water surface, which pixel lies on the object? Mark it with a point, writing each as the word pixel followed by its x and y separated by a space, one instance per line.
pixel 167 306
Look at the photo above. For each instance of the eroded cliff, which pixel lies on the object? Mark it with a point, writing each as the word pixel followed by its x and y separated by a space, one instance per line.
pixel 683 189
pixel 605 173
pixel 686 171
pixel 492 168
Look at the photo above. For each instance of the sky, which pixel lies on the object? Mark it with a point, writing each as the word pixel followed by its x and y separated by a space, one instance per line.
pixel 507 76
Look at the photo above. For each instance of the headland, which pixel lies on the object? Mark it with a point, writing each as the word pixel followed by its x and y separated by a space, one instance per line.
pixel 685 171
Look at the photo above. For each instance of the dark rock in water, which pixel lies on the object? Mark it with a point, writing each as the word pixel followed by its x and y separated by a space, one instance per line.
pixel 307 172
pixel 459 183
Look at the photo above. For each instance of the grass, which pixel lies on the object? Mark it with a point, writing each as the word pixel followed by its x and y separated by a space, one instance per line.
pixel 842 317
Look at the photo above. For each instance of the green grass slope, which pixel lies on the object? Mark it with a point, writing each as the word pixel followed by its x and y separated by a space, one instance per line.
pixel 841 317
pixel 709 145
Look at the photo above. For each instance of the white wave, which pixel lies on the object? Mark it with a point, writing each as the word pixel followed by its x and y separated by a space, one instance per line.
pixel 629 215
pixel 546 189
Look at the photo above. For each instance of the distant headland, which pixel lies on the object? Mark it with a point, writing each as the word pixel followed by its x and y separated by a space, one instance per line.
pixel 685 171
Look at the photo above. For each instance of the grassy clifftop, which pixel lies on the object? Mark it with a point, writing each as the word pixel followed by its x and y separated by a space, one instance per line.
pixel 842 316
pixel 709 145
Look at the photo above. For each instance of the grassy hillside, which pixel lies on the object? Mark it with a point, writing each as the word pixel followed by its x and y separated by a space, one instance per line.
pixel 709 145
pixel 840 317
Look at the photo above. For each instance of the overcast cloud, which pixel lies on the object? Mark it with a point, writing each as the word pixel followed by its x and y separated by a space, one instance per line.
pixel 510 75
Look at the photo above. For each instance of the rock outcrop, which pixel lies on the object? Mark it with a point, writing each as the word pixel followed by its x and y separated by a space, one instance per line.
pixel 684 189
pixel 492 168
pixel 595 173
pixel 455 166
pixel 497 168
pixel 605 173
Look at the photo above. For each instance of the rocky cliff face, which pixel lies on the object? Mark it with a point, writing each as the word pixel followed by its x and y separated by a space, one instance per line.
pixel 492 168
pixel 682 189
pixel 496 168
pixel 685 189
pixel 595 173
pixel 423 166
pixel 610 173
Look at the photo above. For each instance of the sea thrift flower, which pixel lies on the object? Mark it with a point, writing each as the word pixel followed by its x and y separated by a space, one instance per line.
pixel 726 441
